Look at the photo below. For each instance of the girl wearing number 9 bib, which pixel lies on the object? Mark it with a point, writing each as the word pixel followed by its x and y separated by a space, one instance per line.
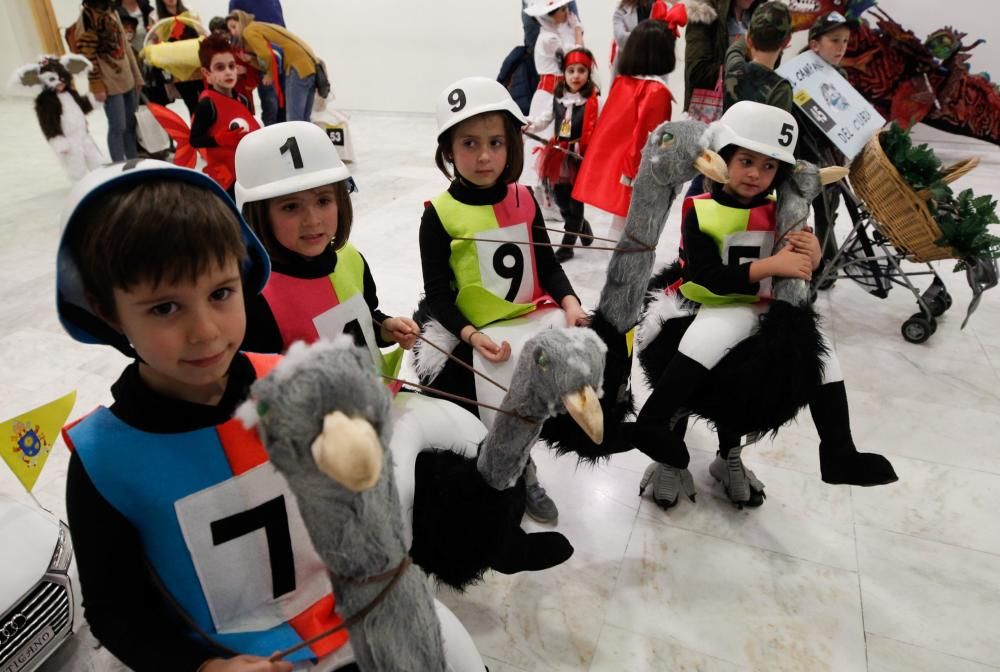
pixel 484 250
pixel 295 191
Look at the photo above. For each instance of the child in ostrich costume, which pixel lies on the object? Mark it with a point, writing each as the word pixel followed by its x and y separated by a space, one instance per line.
pixel 329 426
pixel 754 336
pixel 62 111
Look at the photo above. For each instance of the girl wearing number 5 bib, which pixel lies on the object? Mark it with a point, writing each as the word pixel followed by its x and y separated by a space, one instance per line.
pixel 484 250
pixel 295 191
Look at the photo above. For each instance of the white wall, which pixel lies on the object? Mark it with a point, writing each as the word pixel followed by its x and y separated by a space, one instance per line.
pixel 396 55
pixel 20 43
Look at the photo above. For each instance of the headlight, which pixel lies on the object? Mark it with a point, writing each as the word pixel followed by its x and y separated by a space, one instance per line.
pixel 64 551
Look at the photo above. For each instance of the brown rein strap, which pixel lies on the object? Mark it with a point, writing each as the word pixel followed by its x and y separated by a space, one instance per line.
pixel 458 397
pixel 455 359
pixel 582 247
pixel 393 575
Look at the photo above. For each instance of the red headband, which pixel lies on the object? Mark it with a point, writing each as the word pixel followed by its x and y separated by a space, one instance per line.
pixel 675 17
pixel 578 58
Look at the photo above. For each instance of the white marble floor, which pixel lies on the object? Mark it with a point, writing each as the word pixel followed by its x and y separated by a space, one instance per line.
pixel 902 577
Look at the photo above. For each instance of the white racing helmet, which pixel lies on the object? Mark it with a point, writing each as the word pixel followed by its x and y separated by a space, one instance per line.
pixel 757 127
pixel 543 7
pixel 466 98
pixel 75 312
pixel 285 158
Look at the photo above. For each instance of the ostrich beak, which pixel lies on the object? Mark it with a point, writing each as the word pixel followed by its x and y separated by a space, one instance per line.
pixel 584 407
pixel 348 451
pixel 831 174
pixel 712 166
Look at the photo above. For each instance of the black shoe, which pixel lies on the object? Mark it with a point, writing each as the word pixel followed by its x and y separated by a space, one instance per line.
pixel 585 229
pixel 532 552
pixel 839 460
pixel 564 254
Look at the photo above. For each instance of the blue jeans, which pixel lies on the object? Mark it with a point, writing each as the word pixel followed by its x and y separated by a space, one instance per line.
pixel 120 110
pixel 268 104
pixel 299 94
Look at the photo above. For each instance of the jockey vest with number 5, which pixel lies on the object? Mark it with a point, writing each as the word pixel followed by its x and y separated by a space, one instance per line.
pixel 741 234
pixel 307 309
pixel 219 526
pixel 495 280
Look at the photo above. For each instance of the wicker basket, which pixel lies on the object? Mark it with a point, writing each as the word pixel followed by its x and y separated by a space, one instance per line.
pixel 901 213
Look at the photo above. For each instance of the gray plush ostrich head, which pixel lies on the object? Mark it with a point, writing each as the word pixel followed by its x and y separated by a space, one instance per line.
pixel 324 417
pixel 557 372
pixel 675 152
pixel 323 406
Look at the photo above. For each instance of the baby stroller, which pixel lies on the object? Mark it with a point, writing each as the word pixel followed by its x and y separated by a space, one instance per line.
pixel 892 224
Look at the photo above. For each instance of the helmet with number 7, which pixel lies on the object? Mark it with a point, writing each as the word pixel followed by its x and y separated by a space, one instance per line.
pixel 285 158
pixel 759 128
pixel 468 97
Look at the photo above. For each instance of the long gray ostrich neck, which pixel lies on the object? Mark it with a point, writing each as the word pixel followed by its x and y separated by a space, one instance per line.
pixel 629 270
pixel 795 197
pixel 668 160
pixel 504 452
pixel 357 521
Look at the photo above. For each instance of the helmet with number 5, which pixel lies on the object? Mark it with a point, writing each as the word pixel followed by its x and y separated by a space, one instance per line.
pixel 468 97
pixel 759 128
pixel 285 158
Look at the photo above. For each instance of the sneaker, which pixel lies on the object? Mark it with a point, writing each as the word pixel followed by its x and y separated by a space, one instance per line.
pixel 539 505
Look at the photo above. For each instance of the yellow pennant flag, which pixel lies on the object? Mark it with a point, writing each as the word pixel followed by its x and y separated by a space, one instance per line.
pixel 25 441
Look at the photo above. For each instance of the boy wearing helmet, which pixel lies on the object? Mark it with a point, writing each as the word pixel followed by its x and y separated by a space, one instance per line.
pixel 728 266
pixel 295 191
pixel 165 487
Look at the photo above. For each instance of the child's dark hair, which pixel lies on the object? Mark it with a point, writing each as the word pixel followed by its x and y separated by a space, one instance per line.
pixel 218 23
pixel 649 50
pixel 163 231
pixel 259 219
pixel 587 89
pixel 782 174
pixel 161 9
pixel 212 46
pixel 515 149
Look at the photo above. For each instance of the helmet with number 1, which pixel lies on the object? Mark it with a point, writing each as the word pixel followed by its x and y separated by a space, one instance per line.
pixel 760 128
pixel 468 97
pixel 285 158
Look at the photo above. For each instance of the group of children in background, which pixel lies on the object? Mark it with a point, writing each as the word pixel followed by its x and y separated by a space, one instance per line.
pixel 160 263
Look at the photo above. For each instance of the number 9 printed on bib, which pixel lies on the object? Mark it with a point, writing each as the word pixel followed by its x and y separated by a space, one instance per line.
pixel 506 267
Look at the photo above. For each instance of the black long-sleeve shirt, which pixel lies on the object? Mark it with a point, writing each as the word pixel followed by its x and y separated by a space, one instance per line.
pixel 262 333
pixel 435 251
pixel 703 264
pixel 126 611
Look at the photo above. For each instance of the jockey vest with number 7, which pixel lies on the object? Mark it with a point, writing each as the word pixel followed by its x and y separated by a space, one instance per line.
pixel 307 309
pixel 741 234
pixel 495 280
pixel 219 526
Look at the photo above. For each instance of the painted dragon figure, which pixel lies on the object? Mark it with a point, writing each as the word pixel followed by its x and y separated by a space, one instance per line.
pixel 909 80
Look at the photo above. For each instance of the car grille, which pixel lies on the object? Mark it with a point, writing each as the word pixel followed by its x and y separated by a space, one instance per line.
pixel 48 604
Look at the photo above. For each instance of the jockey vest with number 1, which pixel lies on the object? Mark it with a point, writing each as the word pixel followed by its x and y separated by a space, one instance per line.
pixel 741 235
pixel 219 526
pixel 492 255
pixel 307 309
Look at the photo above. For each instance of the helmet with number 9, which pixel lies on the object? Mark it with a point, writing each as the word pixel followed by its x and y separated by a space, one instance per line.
pixel 759 128
pixel 285 158
pixel 468 97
